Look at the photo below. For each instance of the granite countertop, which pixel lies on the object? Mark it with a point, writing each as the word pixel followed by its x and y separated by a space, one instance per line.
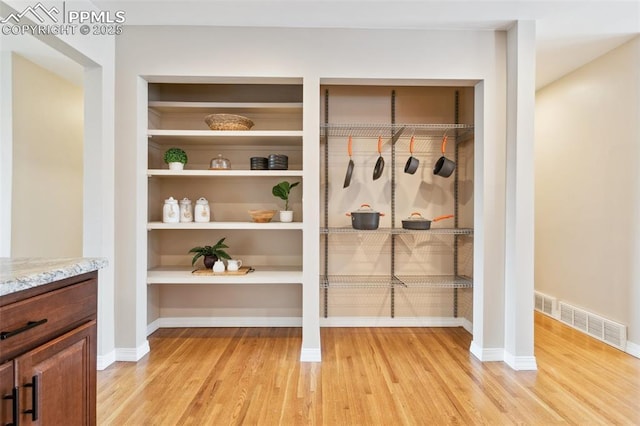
pixel 18 274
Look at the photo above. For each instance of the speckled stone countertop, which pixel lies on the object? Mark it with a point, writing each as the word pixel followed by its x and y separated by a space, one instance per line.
pixel 18 274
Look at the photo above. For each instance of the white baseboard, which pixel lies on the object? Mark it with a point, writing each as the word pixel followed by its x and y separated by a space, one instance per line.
pixel 103 361
pixel 183 322
pixel 132 354
pixel 633 349
pixel 310 355
pixel 467 325
pixel 392 322
pixel 153 326
pixel 520 363
pixel 486 354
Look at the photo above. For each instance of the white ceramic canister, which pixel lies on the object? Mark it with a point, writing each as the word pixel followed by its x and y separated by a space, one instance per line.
pixel 202 212
pixel 170 211
pixel 186 210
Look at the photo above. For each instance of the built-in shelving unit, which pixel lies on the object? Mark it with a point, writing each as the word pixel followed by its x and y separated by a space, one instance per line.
pixel 176 119
pixel 407 252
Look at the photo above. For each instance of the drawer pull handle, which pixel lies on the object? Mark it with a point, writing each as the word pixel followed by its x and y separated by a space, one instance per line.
pixel 14 406
pixel 34 398
pixel 6 334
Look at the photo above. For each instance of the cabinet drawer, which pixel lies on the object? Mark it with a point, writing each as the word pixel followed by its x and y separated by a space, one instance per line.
pixel 30 322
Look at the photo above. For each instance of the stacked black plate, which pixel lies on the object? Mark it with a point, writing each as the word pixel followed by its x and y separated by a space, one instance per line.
pixel 259 163
pixel 278 162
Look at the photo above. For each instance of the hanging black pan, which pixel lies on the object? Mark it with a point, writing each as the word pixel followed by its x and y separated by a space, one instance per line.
pixel 379 167
pixel 444 167
pixel 347 177
pixel 412 163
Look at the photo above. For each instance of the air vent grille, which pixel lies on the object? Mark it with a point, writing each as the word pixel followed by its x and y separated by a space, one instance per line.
pixel 610 332
pixel 545 304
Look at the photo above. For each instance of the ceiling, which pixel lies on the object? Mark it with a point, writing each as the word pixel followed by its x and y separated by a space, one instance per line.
pixel 570 33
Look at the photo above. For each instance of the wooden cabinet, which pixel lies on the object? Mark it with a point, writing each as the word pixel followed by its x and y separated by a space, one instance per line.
pixel 48 354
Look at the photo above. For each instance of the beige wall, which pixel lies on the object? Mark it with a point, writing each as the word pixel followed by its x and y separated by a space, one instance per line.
pixel 588 187
pixel 331 57
pixel 47 163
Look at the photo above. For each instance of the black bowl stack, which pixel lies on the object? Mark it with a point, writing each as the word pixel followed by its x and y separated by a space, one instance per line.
pixel 278 162
pixel 259 163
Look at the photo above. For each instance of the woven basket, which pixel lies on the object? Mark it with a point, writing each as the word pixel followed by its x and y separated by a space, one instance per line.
pixel 228 122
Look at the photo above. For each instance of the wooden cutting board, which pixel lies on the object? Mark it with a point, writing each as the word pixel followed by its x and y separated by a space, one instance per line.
pixel 242 271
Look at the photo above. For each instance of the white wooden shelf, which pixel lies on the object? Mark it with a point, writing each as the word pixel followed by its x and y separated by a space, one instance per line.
pixel 230 137
pixel 223 173
pixel 225 225
pixel 214 107
pixel 263 275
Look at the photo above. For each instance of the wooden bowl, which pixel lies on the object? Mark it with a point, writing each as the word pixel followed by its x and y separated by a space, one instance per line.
pixel 228 122
pixel 262 216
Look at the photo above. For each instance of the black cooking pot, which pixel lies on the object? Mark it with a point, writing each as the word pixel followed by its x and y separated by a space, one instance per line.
pixel 365 218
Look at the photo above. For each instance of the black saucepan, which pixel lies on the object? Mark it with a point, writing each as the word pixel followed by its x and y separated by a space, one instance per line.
pixel 416 221
pixel 347 177
pixel 365 218
pixel 412 163
pixel 379 167
pixel 444 167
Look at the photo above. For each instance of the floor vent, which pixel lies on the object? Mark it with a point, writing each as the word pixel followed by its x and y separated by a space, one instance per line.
pixel 610 332
pixel 545 304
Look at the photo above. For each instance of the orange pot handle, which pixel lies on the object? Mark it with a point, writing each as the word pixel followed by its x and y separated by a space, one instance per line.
pixel 444 143
pixel 446 216
pixel 349 148
pixel 380 145
pixel 413 139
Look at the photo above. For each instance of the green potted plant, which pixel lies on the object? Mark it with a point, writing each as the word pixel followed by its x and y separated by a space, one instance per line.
pixel 282 190
pixel 176 158
pixel 210 254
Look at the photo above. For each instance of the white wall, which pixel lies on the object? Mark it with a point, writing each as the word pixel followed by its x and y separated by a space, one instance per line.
pixel 47 163
pixel 588 188
pixel 96 55
pixel 464 56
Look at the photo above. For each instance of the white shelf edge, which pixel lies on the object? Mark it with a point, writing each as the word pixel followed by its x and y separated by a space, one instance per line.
pixel 263 275
pixel 235 105
pixel 225 133
pixel 222 173
pixel 225 225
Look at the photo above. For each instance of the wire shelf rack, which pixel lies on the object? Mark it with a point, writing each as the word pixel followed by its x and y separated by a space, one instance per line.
pixel 398 231
pixel 434 281
pixel 402 281
pixel 374 130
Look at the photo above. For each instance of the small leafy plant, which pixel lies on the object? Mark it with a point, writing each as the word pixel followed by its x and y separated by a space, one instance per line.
pixel 282 190
pixel 215 251
pixel 175 155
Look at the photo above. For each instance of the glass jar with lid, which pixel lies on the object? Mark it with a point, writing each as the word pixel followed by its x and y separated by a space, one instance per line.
pixel 220 163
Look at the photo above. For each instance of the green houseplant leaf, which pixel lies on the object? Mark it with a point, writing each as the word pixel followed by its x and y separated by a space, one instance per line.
pixel 282 191
pixel 216 250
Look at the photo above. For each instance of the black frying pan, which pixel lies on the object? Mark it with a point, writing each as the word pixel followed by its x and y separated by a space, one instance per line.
pixel 379 167
pixel 412 163
pixel 347 177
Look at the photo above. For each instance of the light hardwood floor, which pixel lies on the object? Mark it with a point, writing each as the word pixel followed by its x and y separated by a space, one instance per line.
pixel 368 376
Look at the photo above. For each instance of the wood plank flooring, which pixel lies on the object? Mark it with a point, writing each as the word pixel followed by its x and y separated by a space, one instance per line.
pixel 368 376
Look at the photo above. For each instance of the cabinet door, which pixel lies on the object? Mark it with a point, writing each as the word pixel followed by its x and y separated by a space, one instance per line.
pixel 57 380
pixel 6 393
